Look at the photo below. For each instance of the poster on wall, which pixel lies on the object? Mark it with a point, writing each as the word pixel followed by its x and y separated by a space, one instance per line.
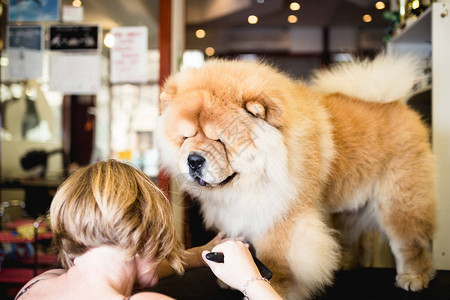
pixel 33 10
pixel 25 49
pixel 129 55
pixel 75 74
pixel 71 13
pixel 80 37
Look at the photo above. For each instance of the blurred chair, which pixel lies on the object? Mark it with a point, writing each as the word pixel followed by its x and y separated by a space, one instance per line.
pixel 11 211
pixel 24 244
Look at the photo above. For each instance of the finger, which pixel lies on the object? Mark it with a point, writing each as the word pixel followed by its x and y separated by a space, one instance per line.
pixel 240 238
pixel 241 243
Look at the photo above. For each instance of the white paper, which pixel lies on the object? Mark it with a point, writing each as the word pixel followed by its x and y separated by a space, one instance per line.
pixel 75 74
pixel 25 52
pixel 24 64
pixel 72 14
pixel 129 55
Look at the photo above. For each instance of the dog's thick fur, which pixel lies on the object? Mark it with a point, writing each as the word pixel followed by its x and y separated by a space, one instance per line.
pixel 280 156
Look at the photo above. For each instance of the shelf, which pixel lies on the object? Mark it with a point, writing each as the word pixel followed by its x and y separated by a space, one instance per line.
pixel 419 31
pixel 6 236
pixel 47 259
pixel 22 222
pixel 18 275
pixel 429 34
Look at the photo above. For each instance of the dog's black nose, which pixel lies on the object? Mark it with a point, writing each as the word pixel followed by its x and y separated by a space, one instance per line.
pixel 195 162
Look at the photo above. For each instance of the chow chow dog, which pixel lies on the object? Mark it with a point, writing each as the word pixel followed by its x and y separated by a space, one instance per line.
pixel 270 158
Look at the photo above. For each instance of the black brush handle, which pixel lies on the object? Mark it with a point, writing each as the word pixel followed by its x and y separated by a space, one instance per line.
pixel 215 257
pixel 263 269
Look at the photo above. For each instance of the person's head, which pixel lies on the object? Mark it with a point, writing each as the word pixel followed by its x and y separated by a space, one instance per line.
pixel 113 204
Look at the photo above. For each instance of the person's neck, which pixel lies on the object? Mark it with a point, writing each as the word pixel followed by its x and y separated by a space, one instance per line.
pixel 107 266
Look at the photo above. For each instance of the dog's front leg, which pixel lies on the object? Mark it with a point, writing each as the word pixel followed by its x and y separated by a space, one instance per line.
pixel 302 253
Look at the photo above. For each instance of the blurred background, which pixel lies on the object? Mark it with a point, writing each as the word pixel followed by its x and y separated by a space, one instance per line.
pixel 80 83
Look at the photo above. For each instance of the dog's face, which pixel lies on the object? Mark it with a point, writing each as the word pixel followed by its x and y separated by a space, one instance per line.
pixel 215 131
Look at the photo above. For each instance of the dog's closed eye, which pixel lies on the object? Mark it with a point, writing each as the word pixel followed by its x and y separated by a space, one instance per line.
pixel 186 129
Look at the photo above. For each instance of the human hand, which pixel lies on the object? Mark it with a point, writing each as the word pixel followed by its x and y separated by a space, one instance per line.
pixel 194 255
pixel 218 239
pixel 238 266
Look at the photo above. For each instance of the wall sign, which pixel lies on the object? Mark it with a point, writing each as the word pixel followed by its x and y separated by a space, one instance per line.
pixel 25 46
pixel 33 10
pixel 129 55
pixel 75 74
pixel 71 13
pixel 83 37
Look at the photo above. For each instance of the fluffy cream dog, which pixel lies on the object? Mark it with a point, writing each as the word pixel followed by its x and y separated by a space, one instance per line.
pixel 270 158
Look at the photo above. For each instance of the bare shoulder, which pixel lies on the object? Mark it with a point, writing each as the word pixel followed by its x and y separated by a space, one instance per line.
pixel 46 275
pixel 51 273
pixel 150 295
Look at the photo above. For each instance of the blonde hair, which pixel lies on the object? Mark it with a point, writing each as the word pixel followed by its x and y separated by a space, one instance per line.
pixel 112 203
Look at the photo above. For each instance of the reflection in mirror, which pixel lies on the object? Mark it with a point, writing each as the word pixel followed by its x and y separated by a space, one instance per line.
pixel 28 114
pixel 31 121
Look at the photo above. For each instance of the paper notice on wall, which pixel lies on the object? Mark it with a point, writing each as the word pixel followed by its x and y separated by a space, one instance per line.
pixel 71 13
pixel 74 37
pixel 75 74
pixel 129 55
pixel 25 52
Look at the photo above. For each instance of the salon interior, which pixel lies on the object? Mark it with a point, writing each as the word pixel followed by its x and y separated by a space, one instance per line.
pixel 80 83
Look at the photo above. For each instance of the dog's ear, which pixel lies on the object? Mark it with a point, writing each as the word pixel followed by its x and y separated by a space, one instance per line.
pixel 168 93
pixel 256 108
pixel 263 107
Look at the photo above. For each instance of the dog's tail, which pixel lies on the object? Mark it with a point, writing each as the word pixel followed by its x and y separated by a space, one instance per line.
pixel 387 78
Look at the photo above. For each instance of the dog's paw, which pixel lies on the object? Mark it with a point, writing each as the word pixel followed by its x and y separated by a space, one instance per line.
pixel 412 282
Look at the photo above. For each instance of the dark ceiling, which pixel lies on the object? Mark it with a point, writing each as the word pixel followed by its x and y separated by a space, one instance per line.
pixel 311 13
pixel 230 16
pixel 272 17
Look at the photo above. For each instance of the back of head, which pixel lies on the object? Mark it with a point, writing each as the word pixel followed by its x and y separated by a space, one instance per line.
pixel 112 203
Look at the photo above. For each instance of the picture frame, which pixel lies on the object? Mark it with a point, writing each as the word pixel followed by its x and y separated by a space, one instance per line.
pixel 34 11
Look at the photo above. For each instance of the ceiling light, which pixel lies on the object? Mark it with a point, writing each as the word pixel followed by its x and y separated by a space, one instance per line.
pixel 292 19
pixel 109 40
pixel 200 33
pixel 252 19
pixel 260 1
pixel 367 18
pixel 380 5
pixel 210 51
pixel 294 6
pixel 77 3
